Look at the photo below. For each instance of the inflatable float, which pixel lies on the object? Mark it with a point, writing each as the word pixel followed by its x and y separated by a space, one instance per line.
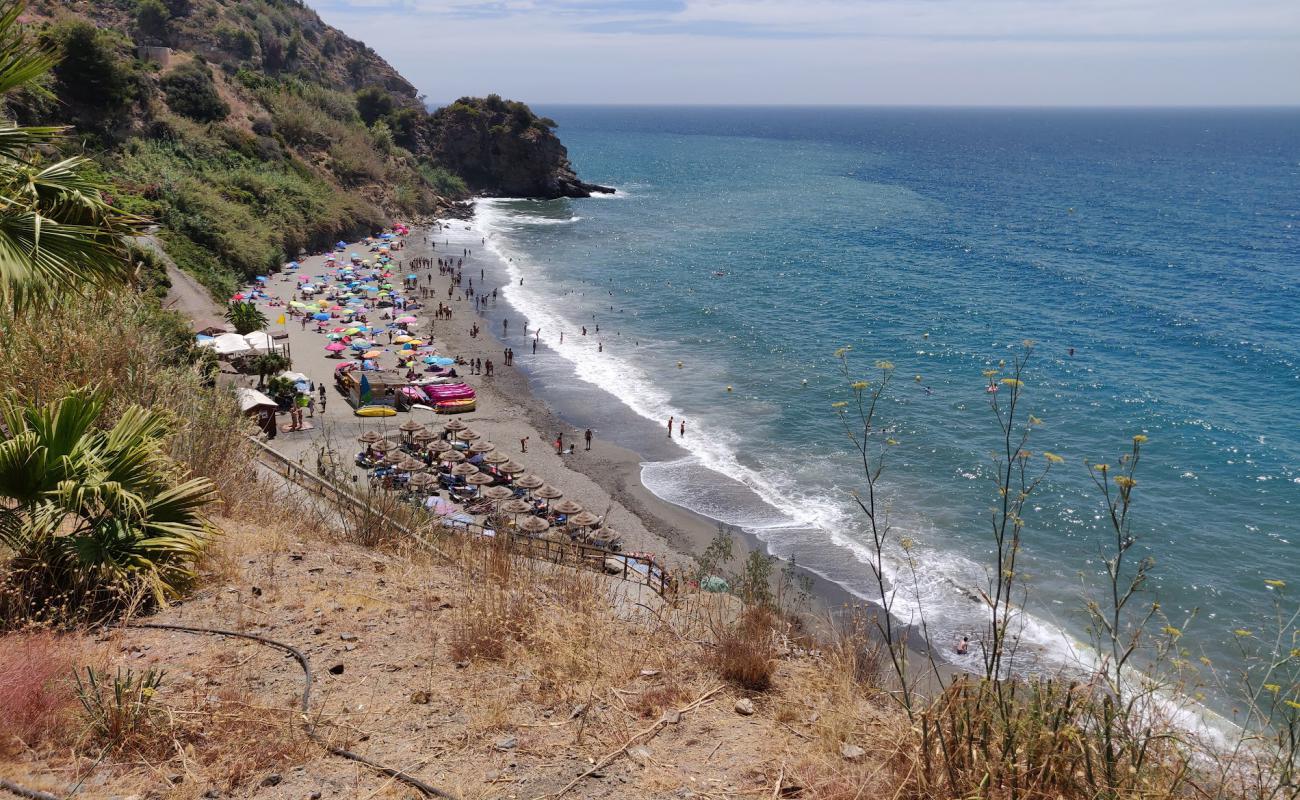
pixel 455 406
pixel 376 411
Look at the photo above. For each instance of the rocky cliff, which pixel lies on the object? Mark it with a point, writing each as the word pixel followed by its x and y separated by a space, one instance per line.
pixel 501 147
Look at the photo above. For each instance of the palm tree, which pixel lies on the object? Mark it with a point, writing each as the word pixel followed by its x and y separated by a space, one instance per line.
pixel 98 520
pixel 57 232
pixel 245 317
pixel 266 364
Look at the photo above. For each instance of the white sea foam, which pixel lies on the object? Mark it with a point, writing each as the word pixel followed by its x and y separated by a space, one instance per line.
pixel 787 514
pixel 786 507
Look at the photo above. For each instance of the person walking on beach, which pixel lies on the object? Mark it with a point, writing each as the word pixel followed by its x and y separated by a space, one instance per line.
pixel 670 427
pixel 587 436
pixel 505 325
pixel 559 443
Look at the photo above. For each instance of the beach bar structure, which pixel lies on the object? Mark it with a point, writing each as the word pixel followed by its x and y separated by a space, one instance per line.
pixel 385 386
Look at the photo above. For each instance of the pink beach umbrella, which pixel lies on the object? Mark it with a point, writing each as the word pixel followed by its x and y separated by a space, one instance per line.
pixel 335 347
pixel 405 320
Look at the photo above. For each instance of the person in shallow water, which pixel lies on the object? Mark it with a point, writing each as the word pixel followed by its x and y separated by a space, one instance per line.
pixel 963 647
pixel 670 427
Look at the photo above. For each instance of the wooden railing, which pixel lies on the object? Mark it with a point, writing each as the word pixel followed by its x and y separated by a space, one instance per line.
pixel 638 569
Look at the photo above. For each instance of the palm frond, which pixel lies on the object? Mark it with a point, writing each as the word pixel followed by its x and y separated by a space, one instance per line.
pixel 40 257
pixel 22 60
pixel 15 141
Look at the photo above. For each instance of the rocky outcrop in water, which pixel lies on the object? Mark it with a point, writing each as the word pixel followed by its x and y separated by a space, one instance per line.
pixel 501 147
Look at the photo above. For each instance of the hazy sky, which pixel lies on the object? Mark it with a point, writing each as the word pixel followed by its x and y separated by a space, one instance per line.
pixel 940 52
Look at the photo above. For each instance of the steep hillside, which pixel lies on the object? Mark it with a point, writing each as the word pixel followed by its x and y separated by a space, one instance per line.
pixel 252 130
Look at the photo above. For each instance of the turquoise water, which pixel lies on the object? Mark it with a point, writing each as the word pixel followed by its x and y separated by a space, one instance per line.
pixel 1163 246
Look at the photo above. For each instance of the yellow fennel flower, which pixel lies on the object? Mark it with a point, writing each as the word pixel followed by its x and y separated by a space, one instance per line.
pixel 1053 458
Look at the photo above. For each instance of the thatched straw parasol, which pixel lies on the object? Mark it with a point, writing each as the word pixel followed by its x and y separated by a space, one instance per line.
pixel 410 426
pixel 480 479
pixel 548 492
pixel 455 425
pixel 512 468
pixel 421 480
pixel 528 482
pixel 383 446
pixel 497 493
pixel 451 456
pixel 468 435
pixel 408 464
pixel 441 446
pixel 495 457
pixel 534 525
pixel 482 447
pixel 584 519
pixel 566 507
pixel 515 506
pixel 464 469
pixel 370 437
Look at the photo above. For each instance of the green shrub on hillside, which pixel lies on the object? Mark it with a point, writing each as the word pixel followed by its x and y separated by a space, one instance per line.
pixel 152 18
pixel 374 104
pixel 191 92
pixel 443 181
pixel 96 72
pixel 237 41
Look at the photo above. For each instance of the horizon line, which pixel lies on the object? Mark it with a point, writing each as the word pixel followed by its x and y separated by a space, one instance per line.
pixel 921 106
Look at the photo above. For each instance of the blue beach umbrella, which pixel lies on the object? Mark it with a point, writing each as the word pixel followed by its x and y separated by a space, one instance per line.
pixel 320 316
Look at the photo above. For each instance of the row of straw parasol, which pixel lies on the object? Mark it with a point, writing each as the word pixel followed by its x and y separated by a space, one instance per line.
pixel 504 497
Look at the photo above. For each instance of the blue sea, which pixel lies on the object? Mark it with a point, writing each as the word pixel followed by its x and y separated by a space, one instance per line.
pixel 745 245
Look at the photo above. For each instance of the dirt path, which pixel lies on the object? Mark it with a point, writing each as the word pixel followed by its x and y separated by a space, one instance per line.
pixel 185 294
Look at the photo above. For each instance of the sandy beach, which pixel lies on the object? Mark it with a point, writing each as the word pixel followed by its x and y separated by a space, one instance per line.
pixel 604 479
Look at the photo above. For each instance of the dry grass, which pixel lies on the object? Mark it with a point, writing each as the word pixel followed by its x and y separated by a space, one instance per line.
pixel 36 696
pixel 745 656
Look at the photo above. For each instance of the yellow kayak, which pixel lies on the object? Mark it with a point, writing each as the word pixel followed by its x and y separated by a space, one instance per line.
pixel 376 411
